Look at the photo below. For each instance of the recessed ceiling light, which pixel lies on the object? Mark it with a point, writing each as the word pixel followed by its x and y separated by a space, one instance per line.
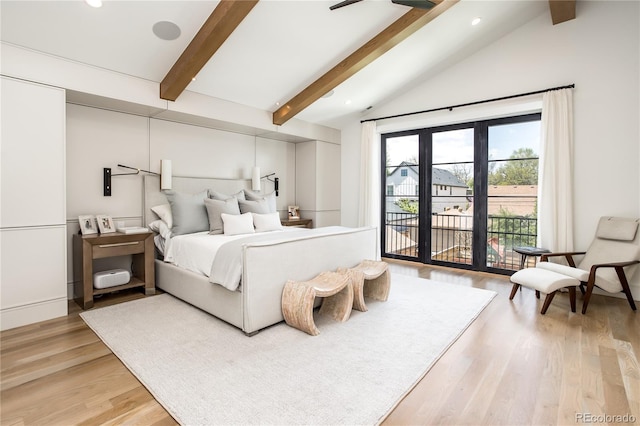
pixel 166 30
pixel 328 95
pixel 94 3
pixel 347 102
pixel 476 21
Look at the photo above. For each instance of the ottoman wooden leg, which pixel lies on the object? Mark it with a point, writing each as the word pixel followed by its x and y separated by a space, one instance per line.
pixel 547 302
pixel 572 298
pixel 514 290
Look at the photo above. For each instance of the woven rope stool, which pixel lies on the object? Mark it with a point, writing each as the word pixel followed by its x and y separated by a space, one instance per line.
pixel 298 298
pixel 544 281
pixel 369 279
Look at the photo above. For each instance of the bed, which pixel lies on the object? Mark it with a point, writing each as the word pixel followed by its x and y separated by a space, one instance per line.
pixel 265 265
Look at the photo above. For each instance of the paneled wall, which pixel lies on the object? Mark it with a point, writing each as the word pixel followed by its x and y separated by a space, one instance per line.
pixel 32 218
pixel 318 182
pixel 98 138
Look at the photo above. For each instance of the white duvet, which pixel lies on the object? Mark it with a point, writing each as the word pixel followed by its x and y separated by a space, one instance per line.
pixel 195 252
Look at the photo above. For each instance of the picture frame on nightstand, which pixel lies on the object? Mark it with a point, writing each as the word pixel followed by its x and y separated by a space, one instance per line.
pixel 105 224
pixel 294 212
pixel 88 224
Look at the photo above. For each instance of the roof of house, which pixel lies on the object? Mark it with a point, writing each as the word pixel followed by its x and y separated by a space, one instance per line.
pixel 439 176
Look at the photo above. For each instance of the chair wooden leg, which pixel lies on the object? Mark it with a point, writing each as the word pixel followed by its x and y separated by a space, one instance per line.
pixel 587 296
pixel 547 302
pixel 514 290
pixel 572 298
pixel 538 294
pixel 582 288
pixel 625 287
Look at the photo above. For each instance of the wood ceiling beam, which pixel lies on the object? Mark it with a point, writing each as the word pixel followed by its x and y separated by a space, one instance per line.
pixel 562 10
pixel 218 27
pixel 395 33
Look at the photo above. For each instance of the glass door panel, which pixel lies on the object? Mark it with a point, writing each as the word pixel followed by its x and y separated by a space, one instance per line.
pixel 402 184
pixel 451 196
pixel 512 192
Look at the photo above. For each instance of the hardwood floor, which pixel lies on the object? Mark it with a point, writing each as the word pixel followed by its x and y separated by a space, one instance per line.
pixel 512 366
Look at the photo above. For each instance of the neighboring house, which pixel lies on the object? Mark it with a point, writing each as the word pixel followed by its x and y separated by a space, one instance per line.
pixel 447 191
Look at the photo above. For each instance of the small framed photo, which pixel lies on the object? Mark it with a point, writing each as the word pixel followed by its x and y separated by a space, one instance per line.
pixel 294 212
pixel 105 224
pixel 88 224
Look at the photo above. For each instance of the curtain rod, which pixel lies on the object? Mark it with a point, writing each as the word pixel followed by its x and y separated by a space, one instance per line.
pixel 450 108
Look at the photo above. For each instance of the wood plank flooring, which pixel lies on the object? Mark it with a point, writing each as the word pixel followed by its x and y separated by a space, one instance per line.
pixel 512 366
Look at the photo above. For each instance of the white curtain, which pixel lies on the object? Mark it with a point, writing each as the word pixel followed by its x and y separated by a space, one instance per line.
pixel 369 205
pixel 555 189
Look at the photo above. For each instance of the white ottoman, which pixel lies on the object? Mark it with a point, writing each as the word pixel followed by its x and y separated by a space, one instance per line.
pixel 542 280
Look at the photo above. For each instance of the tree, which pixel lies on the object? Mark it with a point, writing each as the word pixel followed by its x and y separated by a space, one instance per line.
pixel 464 173
pixel 522 170
pixel 409 206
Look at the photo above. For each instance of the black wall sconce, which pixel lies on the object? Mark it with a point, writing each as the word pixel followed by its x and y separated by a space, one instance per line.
pixel 107 175
pixel 256 178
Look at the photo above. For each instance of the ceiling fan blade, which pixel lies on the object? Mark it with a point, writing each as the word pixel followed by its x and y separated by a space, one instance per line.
pixel 343 3
pixel 420 4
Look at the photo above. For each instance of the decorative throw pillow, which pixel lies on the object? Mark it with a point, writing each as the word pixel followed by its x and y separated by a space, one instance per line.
pixel 237 224
pixel 267 222
pixel 214 210
pixel 160 226
pixel 188 212
pixel 257 206
pixel 254 196
pixel 216 195
pixel 164 213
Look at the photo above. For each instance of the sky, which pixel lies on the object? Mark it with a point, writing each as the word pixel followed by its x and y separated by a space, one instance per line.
pixel 457 145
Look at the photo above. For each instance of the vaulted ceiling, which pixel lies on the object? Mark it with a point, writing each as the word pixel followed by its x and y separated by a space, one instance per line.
pixel 269 54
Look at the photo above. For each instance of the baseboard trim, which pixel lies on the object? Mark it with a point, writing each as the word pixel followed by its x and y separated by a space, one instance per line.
pixel 33 312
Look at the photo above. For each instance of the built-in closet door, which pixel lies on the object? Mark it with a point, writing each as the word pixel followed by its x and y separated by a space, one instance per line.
pixel 32 212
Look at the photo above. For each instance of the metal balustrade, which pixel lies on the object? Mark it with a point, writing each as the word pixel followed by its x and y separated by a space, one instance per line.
pixel 451 237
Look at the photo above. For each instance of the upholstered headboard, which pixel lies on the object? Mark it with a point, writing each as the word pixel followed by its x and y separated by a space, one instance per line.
pixel 153 196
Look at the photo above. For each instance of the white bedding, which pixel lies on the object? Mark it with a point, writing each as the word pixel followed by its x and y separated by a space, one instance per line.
pixel 195 252
pixel 219 257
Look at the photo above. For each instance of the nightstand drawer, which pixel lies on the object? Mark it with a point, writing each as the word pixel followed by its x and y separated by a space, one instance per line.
pixel 117 249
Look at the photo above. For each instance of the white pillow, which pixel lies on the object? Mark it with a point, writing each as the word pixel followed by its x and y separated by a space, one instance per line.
pixel 164 212
pixel 267 222
pixel 235 224
pixel 160 226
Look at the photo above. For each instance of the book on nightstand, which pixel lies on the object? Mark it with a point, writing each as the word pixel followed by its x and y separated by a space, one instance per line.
pixel 132 230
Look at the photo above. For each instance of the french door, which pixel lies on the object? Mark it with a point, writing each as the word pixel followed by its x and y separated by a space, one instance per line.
pixel 461 195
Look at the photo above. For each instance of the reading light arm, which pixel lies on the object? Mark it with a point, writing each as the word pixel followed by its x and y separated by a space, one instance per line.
pixel 106 177
pixel 275 181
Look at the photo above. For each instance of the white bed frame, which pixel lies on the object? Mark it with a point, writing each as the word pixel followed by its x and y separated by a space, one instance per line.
pixel 266 266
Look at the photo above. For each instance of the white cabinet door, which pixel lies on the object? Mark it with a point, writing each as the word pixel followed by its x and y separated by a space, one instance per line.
pixel 32 158
pixel 33 275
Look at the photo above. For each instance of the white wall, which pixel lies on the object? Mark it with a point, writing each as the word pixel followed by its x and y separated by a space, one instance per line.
pixel 598 51
pixel 98 138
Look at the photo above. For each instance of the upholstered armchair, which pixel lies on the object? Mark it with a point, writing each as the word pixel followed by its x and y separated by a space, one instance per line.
pixel 609 261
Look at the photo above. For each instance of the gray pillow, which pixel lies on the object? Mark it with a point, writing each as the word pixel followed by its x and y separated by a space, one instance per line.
pixel 255 196
pixel 216 195
pixel 188 212
pixel 257 206
pixel 215 208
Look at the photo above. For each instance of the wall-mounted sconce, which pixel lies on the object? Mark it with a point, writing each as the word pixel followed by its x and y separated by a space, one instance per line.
pixel 165 177
pixel 165 174
pixel 256 178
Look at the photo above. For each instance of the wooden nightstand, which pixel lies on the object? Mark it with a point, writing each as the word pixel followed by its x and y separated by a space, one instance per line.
pixel 90 247
pixel 300 223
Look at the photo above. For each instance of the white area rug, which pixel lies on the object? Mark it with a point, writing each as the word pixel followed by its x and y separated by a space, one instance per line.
pixel 205 372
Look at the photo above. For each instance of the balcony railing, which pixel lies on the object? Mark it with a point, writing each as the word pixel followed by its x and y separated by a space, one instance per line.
pixel 451 238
